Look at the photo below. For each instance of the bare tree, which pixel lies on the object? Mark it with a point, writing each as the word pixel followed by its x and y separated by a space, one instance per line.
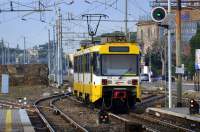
pixel 159 47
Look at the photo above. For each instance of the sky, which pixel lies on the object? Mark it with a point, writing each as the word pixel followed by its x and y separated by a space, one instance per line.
pixel 13 29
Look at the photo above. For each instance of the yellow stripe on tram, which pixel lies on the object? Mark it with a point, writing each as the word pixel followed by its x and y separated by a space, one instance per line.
pixel 8 121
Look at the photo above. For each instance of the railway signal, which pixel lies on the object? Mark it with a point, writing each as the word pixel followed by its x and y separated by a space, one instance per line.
pixel 103 117
pixel 158 14
pixel 194 107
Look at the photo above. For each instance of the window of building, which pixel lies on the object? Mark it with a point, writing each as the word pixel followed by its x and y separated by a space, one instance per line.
pixel 141 34
pixel 149 35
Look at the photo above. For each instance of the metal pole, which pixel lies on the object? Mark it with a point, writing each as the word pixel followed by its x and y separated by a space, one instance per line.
pixel 14 61
pixel 2 51
pixel 8 54
pixel 5 55
pixel 59 70
pixel 24 50
pixel 54 53
pixel 58 65
pixel 178 52
pixel 169 55
pixel 61 52
pixel 49 62
pixel 126 18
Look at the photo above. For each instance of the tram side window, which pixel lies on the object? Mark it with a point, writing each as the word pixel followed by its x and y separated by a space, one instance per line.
pixel 76 64
pixel 96 63
pixel 87 63
pixel 79 64
pixel 84 58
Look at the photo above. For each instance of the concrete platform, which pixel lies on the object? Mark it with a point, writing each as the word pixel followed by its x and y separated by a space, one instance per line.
pixel 15 120
pixel 178 112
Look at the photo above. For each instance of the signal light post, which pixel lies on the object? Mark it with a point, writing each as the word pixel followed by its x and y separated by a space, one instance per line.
pixel 169 55
pixel 158 15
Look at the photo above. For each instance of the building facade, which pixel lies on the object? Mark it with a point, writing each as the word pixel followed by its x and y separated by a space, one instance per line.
pixel 148 32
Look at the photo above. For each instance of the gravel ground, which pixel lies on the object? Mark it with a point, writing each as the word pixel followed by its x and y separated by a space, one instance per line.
pixel 87 117
pixel 32 93
pixel 57 122
pixel 191 94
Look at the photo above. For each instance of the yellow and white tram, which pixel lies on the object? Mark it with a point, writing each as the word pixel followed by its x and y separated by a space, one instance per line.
pixel 108 73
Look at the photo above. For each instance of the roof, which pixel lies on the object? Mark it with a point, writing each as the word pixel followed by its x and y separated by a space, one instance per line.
pixel 104 48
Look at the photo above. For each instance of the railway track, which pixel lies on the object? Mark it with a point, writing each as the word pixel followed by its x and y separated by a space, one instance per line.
pixel 11 104
pixel 150 100
pixel 159 124
pixel 80 117
pixel 149 123
pixel 87 117
pixel 117 122
pixel 55 122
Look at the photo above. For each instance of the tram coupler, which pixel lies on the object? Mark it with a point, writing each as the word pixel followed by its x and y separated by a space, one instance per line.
pixel 103 117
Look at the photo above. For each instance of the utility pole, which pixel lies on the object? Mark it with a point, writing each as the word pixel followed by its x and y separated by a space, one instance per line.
pixel 8 56
pixel 15 56
pixel 59 59
pixel 49 57
pixel 169 55
pixel 57 51
pixel 24 50
pixel 59 70
pixel 5 55
pixel 126 19
pixel 61 52
pixel 54 53
pixel 178 53
pixel 2 52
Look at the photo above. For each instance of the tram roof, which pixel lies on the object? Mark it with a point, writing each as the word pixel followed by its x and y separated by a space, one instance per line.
pixel 104 48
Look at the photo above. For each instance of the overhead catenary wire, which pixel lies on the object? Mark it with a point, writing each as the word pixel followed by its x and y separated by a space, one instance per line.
pixel 27 5
pixel 136 5
pixel 109 7
pixel 109 20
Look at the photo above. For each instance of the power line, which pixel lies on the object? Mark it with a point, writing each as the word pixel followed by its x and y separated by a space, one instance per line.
pixel 109 20
pixel 11 9
pixel 135 4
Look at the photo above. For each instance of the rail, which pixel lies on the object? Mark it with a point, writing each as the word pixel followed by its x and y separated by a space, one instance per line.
pixel 65 116
pixel 51 129
pixel 52 106
pixel 163 123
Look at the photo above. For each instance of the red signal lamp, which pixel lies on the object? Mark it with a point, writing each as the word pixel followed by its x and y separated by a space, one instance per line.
pixel 134 82
pixel 104 81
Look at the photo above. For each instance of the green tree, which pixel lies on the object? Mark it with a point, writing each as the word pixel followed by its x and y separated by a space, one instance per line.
pixel 153 57
pixel 194 44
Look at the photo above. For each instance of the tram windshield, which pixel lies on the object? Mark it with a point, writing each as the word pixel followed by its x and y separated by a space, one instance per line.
pixel 119 65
